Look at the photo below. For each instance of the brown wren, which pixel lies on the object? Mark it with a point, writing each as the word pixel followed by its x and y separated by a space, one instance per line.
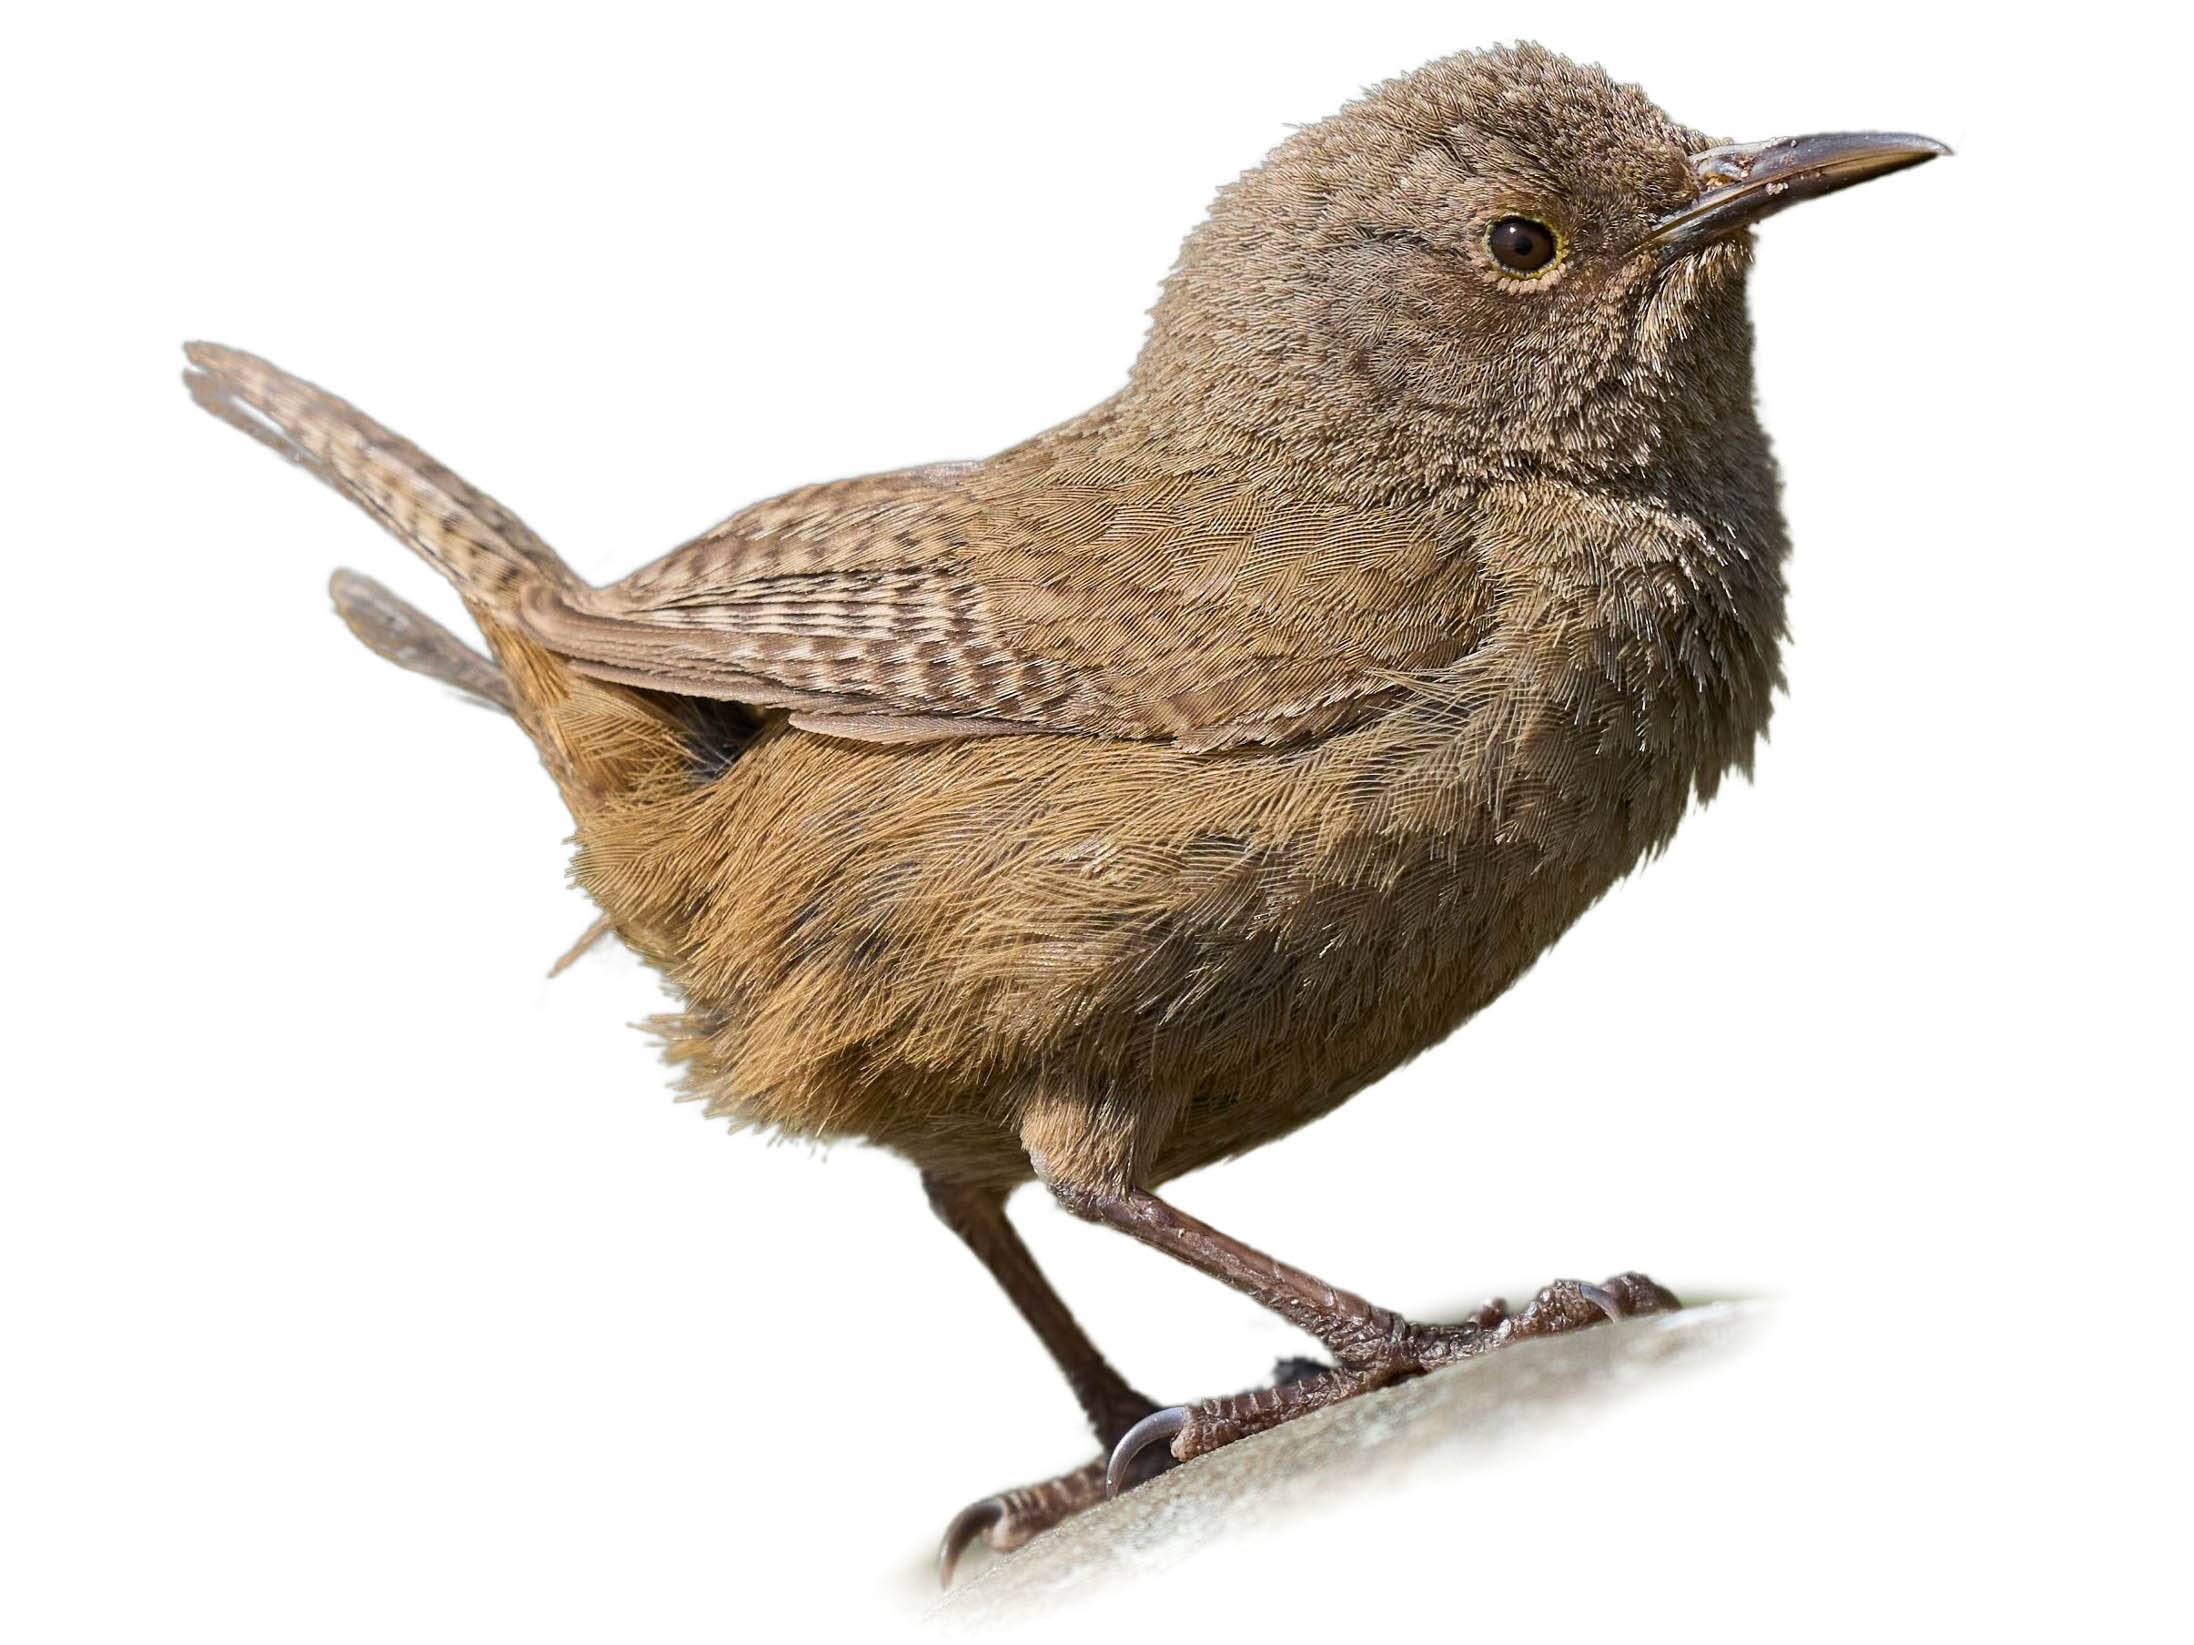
pixel 1125 800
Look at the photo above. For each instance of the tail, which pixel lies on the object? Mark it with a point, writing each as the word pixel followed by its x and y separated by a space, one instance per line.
pixel 601 742
pixel 473 540
pixel 406 636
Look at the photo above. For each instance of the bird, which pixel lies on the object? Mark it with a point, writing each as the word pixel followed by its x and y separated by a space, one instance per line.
pixel 1107 807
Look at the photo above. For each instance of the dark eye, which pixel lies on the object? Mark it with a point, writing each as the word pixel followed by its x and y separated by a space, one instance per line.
pixel 1521 245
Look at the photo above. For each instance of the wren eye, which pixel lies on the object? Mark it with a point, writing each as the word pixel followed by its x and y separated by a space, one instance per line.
pixel 1522 245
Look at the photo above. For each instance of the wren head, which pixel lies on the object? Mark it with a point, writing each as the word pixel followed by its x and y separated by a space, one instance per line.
pixel 1504 263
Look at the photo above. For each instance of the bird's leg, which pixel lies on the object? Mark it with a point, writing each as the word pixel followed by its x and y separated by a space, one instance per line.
pixel 1005 1521
pixel 1371 1346
pixel 978 1216
pixel 1114 1409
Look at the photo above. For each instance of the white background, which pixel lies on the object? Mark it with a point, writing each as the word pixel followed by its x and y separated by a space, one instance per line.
pixel 362 1284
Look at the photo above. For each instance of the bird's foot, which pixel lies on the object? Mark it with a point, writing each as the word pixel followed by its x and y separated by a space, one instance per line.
pixel 1009 1519
pixel 1163 1437
pixel 1180 1432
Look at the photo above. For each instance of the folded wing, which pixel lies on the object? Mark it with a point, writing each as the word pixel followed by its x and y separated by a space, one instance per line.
pixel 1051 589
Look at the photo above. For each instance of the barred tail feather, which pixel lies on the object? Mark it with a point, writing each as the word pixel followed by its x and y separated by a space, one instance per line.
pixel 487 551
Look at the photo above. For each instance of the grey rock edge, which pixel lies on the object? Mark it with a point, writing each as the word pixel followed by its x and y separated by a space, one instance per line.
pixel 1437 1424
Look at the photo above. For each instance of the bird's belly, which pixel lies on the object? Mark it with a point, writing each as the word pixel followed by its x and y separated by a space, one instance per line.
pixel 901 945
pixel 1449 941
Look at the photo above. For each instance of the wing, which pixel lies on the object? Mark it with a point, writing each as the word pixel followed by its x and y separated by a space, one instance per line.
pixel 1055 588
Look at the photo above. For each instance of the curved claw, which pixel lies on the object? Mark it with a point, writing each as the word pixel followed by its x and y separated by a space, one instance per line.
pixel 968 1524
pixel 1159 1425
pixel 1601 1298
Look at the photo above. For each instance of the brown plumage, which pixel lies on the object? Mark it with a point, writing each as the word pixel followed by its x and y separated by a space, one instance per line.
pixel 1132 797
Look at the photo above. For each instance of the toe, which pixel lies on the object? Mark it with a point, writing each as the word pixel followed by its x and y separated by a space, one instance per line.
pixel 1005 1521
pixel 1636 1294
pixel 975 1520
pixel 1570 1305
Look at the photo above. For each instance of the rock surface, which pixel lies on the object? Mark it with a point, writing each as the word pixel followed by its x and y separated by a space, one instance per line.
pixel 1437 1427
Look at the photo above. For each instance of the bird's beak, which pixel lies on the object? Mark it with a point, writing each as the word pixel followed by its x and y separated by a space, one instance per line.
pixel 1740 183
